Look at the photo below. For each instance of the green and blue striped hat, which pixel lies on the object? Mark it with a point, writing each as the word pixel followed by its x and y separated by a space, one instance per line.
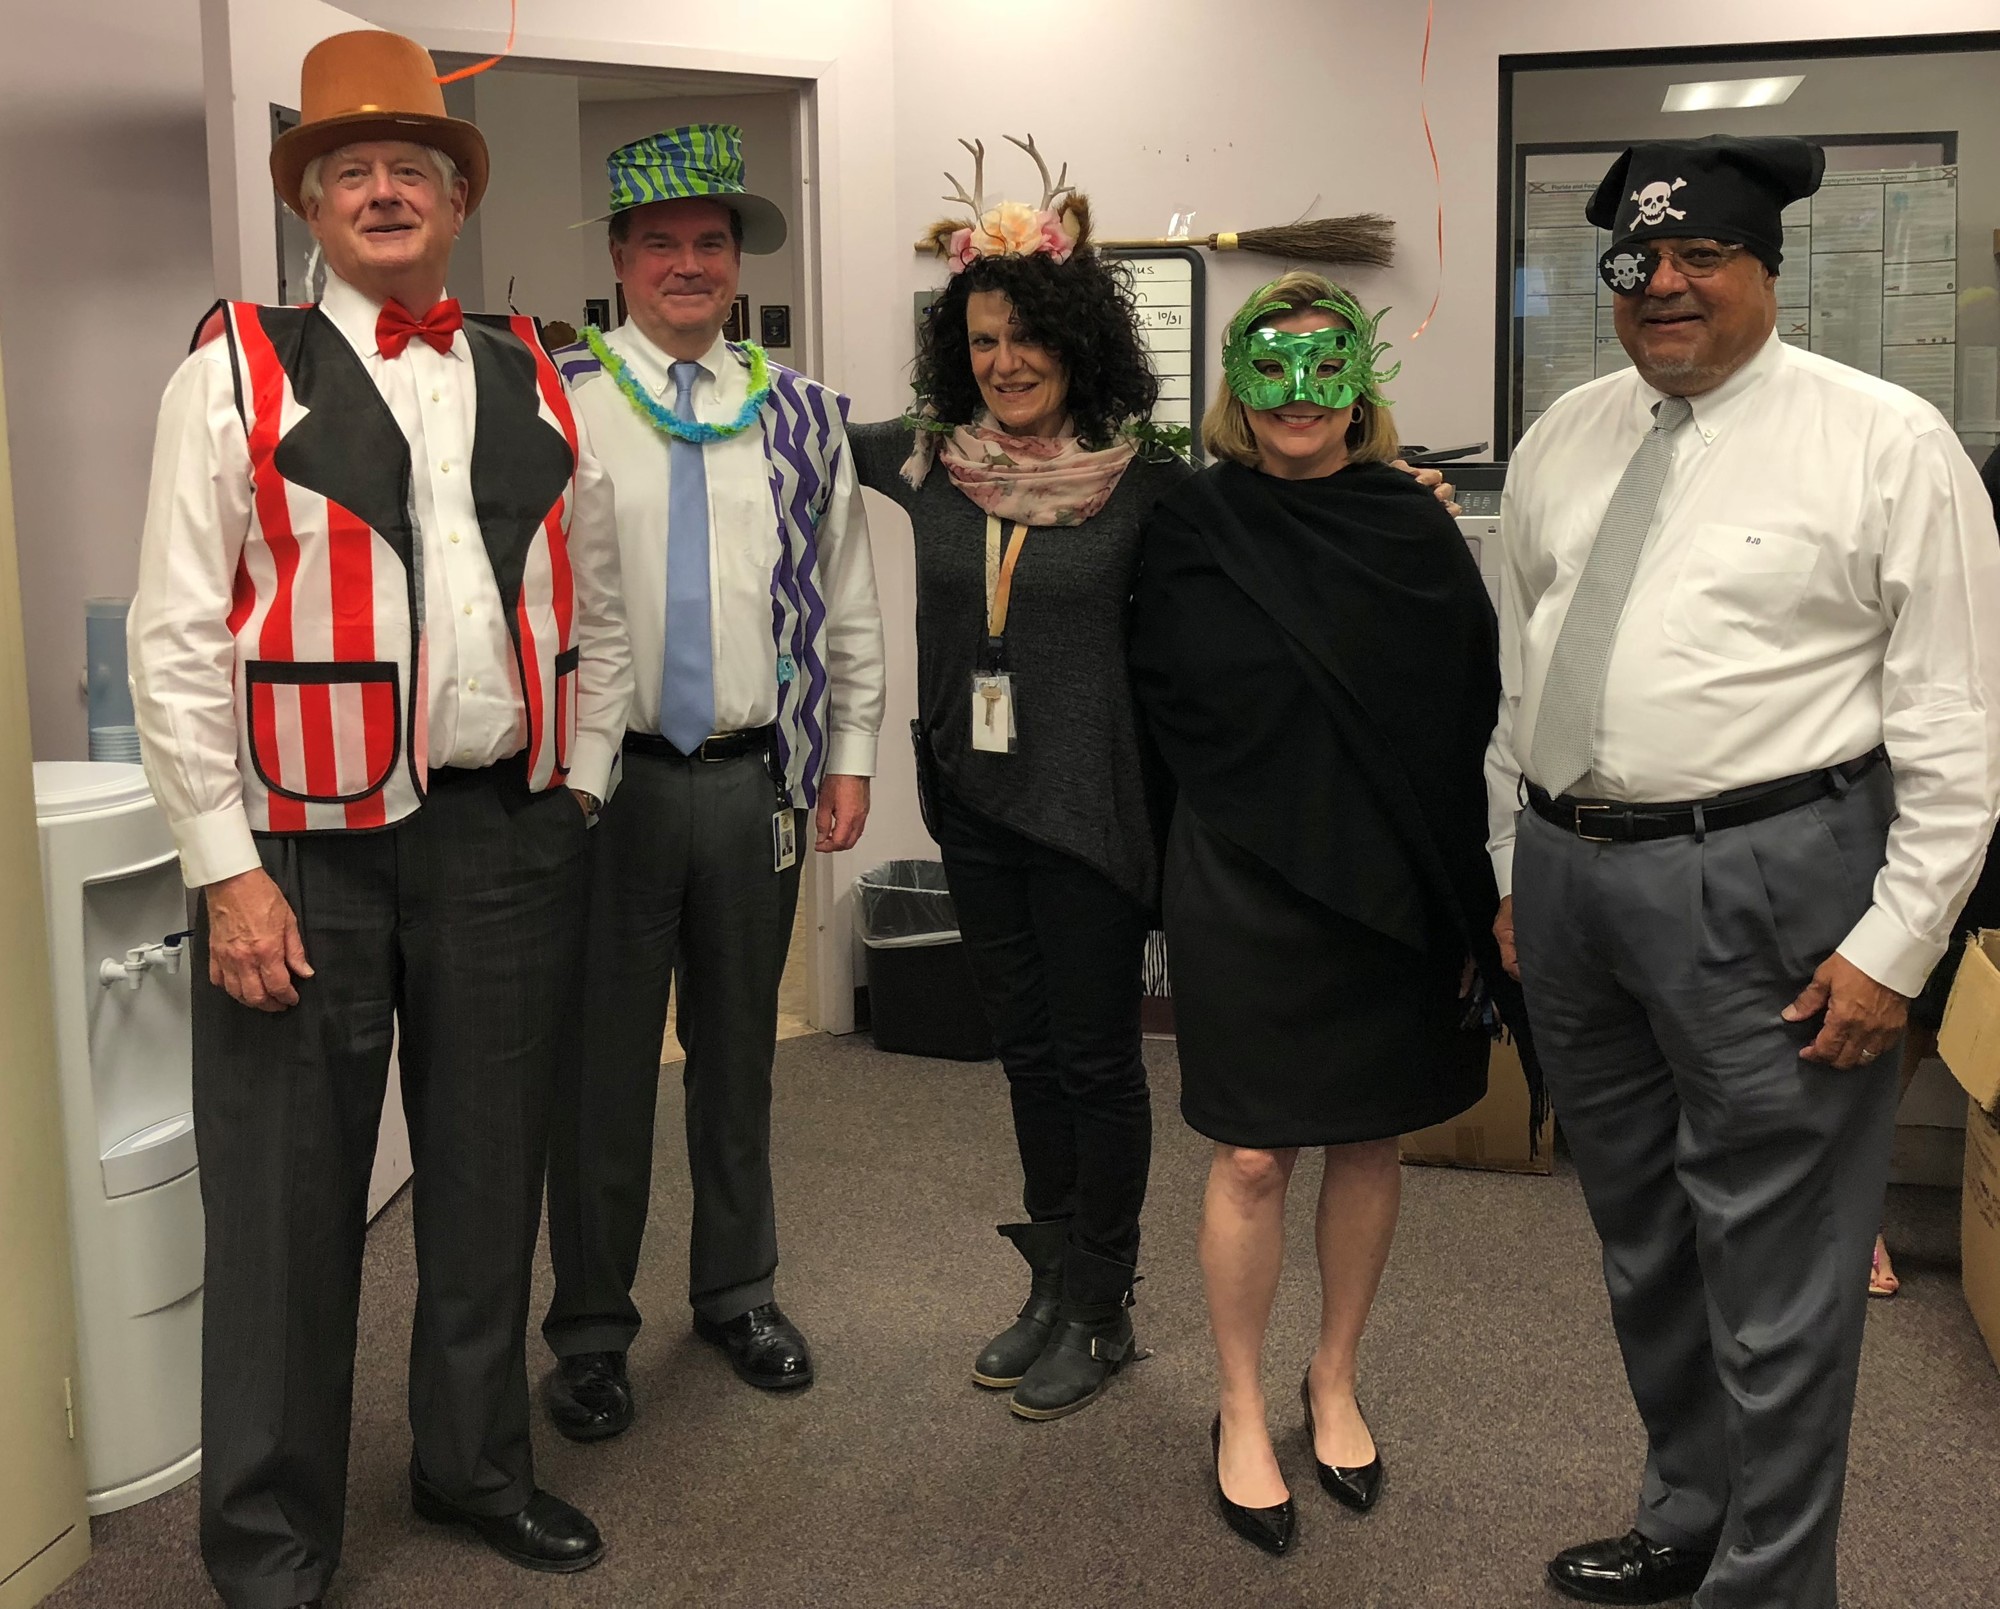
pixel 695 160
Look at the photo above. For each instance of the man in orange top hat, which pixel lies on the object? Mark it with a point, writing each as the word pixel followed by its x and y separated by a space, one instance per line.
pixel 381 672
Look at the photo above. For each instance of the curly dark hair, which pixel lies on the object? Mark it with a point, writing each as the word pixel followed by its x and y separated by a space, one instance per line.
pixel 1081 310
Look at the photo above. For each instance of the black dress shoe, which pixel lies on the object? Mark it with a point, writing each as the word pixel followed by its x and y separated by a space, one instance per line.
pixel 764 1347
pixel 1357 1488
pixel 588 1395
pixel 1270 1528
pixel 546 1534
pixel 1629 1569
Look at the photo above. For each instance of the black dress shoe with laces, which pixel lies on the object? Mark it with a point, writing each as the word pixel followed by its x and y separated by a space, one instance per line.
pixel 1357 1488
pixel 545 1534
pixel 765 1348
pixel 589 1396
pixel 1629 1569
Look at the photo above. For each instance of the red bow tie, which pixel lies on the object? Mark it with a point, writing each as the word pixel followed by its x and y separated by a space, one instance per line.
pixel 395 328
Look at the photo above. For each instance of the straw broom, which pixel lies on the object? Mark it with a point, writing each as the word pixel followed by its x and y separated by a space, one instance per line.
pixel 1364 238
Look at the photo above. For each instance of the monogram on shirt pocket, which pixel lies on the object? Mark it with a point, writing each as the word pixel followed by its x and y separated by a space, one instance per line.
pixel 565 722
pixel 324 731
pixel 1738 590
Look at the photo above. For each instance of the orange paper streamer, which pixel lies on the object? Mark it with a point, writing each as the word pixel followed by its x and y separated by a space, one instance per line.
pixel 1437 173
pixel 513 22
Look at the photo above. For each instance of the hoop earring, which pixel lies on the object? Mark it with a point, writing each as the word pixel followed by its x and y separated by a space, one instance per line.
pixel 1354 414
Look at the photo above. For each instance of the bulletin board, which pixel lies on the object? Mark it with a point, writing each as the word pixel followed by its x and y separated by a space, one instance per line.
pixel 1170 286
pixel 1870 279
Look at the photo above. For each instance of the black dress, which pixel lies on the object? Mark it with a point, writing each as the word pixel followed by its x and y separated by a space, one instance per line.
pixel 1317 664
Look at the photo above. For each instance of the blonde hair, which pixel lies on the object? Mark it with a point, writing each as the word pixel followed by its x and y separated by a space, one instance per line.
pixel 1225 428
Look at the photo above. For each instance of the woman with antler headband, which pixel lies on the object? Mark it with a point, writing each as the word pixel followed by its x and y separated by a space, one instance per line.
pixel 1316 658
pixel 1026 469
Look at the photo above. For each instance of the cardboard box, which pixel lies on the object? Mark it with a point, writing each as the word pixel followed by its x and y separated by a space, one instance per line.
pixel 1979 1224
pixel 1494 1133
pixel 1969 1041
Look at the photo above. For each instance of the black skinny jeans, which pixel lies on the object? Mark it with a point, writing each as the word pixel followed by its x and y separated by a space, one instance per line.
pixel 1056 949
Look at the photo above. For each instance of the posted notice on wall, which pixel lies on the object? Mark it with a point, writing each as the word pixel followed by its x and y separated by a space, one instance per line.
pixel 1869 279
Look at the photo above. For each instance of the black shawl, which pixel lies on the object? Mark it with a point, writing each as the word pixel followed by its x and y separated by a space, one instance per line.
pixel 1317 663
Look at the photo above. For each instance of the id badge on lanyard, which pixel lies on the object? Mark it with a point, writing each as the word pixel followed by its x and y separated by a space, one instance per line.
pixel 993 726
pixel 784 822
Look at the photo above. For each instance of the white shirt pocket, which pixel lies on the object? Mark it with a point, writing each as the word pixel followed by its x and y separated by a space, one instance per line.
pixel 1738 590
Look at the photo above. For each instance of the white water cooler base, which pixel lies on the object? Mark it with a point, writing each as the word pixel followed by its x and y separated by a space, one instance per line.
pixel 157 1484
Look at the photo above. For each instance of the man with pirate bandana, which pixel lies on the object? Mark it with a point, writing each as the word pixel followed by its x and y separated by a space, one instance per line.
pixel 1316 659
pixel 380 672
pixel 1751 648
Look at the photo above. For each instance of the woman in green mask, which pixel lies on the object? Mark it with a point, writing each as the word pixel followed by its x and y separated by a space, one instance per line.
pixel 1315 656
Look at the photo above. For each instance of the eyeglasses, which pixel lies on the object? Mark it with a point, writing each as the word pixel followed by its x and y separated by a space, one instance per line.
pixel 1630 271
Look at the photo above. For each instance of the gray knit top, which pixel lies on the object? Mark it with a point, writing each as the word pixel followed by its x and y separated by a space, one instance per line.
pixel 1073 784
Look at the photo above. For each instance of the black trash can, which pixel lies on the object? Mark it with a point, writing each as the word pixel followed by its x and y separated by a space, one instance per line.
pixel 922 1000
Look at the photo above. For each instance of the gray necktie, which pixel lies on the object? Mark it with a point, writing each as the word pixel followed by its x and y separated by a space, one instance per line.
pixel 1566 722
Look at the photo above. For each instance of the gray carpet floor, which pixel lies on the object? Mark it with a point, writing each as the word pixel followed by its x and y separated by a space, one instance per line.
pixel 1490 1377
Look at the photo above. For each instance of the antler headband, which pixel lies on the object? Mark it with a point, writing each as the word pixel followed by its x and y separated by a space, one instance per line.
pixel 1055 226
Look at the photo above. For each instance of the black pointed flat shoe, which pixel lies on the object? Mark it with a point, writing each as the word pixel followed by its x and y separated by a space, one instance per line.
pixel 1271 1529
pixel 1357 1488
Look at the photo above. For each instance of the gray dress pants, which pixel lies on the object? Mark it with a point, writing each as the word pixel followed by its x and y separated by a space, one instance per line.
pixel 683 897
pixel 1736 1188
pixel 461 924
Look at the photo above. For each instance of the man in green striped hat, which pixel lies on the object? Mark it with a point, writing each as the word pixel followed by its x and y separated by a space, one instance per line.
pixel 757 649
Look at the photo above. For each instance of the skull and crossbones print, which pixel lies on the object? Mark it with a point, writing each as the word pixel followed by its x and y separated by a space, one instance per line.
pixel 1628 270
pixel 1655 202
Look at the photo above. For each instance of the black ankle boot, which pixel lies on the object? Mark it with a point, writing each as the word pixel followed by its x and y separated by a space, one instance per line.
pixel 1009 1353
pixel 1091 1342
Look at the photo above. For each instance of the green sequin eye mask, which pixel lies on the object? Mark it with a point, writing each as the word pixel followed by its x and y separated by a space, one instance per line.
pixel 1268 368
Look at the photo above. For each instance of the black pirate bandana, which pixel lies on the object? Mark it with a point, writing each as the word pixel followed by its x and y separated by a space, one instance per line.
pixel 1714 188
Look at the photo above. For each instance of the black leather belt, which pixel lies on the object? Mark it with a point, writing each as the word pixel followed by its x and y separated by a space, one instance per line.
pixel 1602 822
pixel 725 746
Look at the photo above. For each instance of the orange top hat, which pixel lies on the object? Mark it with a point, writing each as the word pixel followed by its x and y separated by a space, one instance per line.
pixel 372 85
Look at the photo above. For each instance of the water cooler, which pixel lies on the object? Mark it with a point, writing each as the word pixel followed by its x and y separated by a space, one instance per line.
pixel 117 946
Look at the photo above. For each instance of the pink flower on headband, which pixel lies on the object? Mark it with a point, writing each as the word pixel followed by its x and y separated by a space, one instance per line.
pixel 1013 229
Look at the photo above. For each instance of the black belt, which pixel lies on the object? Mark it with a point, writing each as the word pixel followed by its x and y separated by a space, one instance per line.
pixel 513 768
pixel 726 746
pixel 1601 822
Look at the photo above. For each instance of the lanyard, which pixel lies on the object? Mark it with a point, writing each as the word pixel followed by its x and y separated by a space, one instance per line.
pixel 1000 584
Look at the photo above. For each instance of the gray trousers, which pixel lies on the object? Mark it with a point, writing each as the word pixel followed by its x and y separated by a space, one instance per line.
pixel 461 924
pixel 683 897
pixel 1736 1188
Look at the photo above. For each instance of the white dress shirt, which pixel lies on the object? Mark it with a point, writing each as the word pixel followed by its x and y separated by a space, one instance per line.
pixel 743 552
pixel 198 515
pixel 1822 575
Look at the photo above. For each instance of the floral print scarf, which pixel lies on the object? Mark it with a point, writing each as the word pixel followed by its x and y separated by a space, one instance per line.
pixel 1032 480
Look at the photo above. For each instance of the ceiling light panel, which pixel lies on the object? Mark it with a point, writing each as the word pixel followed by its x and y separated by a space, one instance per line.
pixel 1730 94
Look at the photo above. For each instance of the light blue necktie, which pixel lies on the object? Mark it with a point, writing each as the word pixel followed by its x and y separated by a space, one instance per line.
pixel 687 670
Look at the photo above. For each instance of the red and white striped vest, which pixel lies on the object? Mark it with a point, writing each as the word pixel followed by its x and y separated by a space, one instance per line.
pixel 331 686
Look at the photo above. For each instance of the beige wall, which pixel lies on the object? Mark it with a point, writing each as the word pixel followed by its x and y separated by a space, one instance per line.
pixel 43 1532
pixel 105 265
